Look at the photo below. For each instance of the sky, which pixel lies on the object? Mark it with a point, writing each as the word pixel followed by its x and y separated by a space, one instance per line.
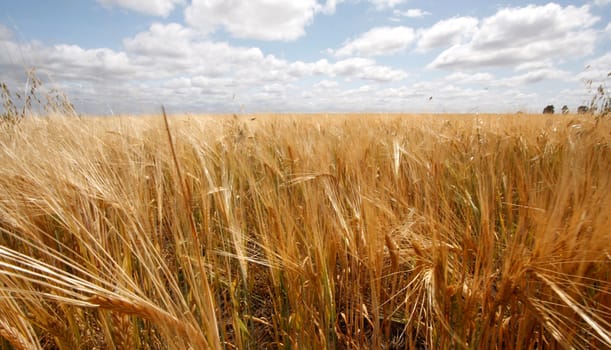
pixel 246 56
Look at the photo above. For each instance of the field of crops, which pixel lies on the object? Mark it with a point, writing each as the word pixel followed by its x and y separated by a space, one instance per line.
pixel 306 232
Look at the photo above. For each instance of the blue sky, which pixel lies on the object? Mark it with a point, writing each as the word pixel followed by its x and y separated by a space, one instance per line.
pixel 131 56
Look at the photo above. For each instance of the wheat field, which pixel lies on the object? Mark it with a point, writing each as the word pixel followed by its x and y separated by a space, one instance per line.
pixel 306 232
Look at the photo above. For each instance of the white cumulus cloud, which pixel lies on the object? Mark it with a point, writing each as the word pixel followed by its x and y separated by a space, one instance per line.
pixel 150 7
pixel 177 66
pixel 519 35
pixel 467 78
pixel 356 67
pixel 447 32
pixel 255 19
pixel 378 41
pixel 411 13
pixel 329 7
pixel 5 33
pixel 386 4
pixel 535 65
pixel 534 76
pixel 161 40
pixel 326 85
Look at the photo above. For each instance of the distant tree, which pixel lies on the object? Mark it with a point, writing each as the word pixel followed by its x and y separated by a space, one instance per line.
pixel 565 109
pixel 549 109
pixel 583 109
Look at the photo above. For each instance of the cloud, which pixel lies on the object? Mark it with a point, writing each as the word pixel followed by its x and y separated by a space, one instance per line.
pixel 411 13
pixel 518 35
pixel 5 33
pixel 171 49
pixel 597 69
pixel 150 7
pixel 67 61
pixel 534 76
pixel 378 41
pixel 185 69
pixel 535 65
pixel 449 97
pixel 445 97
pixel 176 66
pixel 255 19
pixel 276 88
pixel 361 90
pixel 402 92
pixel 326 85
pixel 602 3
pixel 466 78
pixel 168 40
pixel 329 7
pixel 447 32
pixel 386 4
pixel 519 26
pixel 361 68
pixel 94 64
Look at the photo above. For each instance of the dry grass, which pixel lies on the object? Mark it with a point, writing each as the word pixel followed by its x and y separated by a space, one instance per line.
pixel 306 232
